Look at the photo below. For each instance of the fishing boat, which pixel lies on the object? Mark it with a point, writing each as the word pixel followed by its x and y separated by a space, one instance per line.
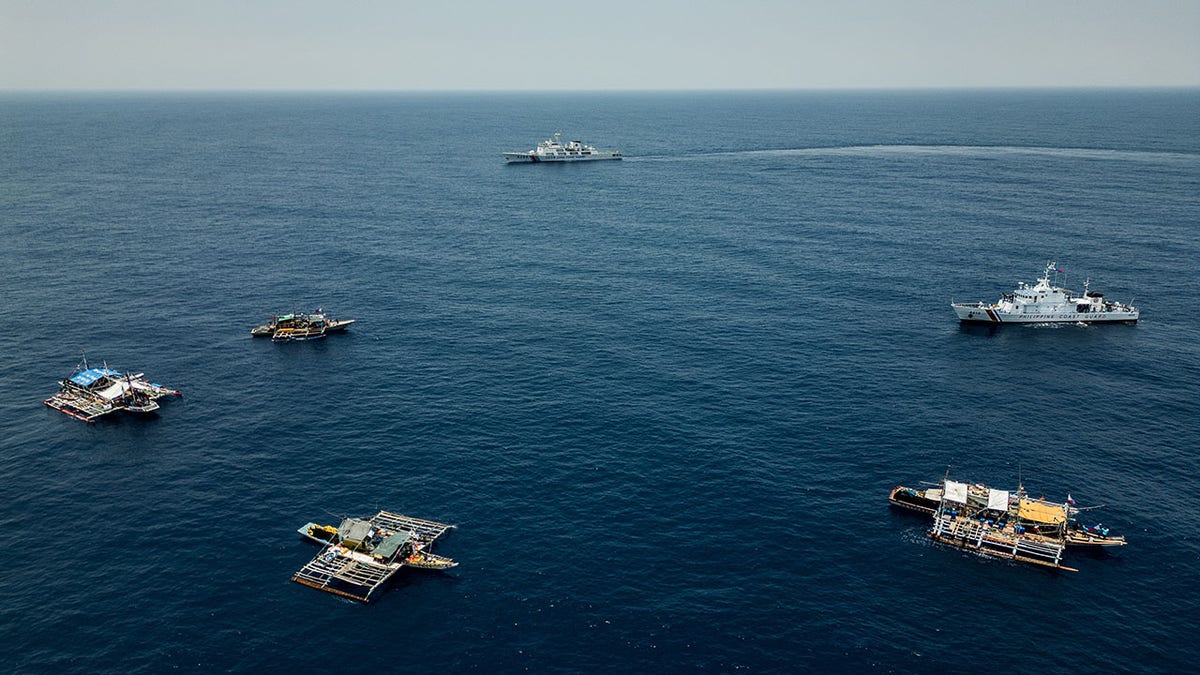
pixel 300 326
pixel 1044 302
pixel 554 150
pixel 91 393
pixel 361 554
pixel 321 534
pixel 994 531
pixel 425 560
pixel 1022 507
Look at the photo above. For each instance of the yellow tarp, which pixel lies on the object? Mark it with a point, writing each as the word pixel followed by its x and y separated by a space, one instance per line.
pixel 1039 512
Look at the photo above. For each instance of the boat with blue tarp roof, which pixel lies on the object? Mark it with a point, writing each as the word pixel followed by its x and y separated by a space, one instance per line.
pixel 90 393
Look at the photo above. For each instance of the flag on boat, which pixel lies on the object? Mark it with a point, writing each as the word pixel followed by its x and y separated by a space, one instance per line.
pixel 1069 500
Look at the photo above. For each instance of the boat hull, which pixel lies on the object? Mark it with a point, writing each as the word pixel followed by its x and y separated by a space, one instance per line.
pixel 915 499
pixel 318 534
pixel 303 330
pixel 984 314
pixel 534 158
pixel 912 500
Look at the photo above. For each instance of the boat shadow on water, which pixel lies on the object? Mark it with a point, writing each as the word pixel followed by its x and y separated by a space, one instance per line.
pixel 983 330
pixel 993 330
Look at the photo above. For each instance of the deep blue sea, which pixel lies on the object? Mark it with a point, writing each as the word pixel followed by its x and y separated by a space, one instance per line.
pixel 663 399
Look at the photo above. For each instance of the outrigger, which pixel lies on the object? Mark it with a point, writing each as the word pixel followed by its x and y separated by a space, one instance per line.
pixel 361 554
pixel 926 500
pixel 994 530
pixel 300 326
pixel 90 393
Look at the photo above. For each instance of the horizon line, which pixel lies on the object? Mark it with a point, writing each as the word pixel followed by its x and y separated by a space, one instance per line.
pixel 846 89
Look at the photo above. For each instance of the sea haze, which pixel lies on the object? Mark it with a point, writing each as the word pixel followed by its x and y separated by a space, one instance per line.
pixel 663 399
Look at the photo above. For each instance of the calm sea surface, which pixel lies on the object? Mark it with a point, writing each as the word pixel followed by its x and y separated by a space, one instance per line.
pixel 664 399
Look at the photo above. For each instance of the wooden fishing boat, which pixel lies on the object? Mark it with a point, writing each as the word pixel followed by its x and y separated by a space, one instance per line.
pixel 320 534
pixel 926 500
pixel 424 560
pixel 91 393
pixel 361 554
pixel 998 531
pixel 300 326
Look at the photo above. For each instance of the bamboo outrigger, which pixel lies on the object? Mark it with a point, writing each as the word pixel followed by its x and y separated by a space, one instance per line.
pixel 91 393
pixel 926 500
pixel 361 554
pixel 993 531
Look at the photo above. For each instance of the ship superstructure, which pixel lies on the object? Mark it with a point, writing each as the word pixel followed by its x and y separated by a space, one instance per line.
pixel 554 150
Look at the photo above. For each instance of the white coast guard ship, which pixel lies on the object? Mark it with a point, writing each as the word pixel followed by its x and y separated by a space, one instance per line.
pixel 553 150
pixel 1046 303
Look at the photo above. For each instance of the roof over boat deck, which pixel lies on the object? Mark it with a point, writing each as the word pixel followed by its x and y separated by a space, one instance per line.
pixel 86 377
pixel 388 547
pixel 1041 512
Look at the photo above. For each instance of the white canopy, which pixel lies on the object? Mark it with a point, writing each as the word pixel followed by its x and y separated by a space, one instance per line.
pixel 998 500
pixel 114 390
pixel 955 492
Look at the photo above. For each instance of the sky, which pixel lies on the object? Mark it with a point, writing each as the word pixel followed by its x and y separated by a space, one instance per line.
pixel 596 45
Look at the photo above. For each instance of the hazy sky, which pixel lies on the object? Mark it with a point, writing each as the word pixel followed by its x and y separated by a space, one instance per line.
pixel 601 44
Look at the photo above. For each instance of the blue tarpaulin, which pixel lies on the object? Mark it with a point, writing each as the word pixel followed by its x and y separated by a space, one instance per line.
pixel 86 377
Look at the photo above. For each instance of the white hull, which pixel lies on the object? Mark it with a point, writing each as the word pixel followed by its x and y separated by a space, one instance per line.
pixel 529 157
pixel 1044 302
pixel 978 313
pixel 554 150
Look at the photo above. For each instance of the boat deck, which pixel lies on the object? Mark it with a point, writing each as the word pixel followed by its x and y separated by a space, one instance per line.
pixel 341 572
pixel 985 539
pixel 425 532
pixel 86 406
pixel 284 334
pixel 79 407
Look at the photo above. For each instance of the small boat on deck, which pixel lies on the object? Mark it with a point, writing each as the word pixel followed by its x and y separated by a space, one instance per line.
pixel 320 534
pixel 361 554
pixel 300 326
pixel 425 560
pixel 91 393
pixel 926 500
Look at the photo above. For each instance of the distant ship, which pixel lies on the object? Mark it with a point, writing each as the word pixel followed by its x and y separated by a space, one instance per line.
pixel 553 150
pixel 1046 303
pixel 300 326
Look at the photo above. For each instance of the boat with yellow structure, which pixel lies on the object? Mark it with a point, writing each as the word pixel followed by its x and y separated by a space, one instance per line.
pixel 1078 535
pixel 300 326
pixel 1027 531
pixel 360 554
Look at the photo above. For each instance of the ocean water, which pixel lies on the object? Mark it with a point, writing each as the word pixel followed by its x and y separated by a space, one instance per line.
pixel 663 399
